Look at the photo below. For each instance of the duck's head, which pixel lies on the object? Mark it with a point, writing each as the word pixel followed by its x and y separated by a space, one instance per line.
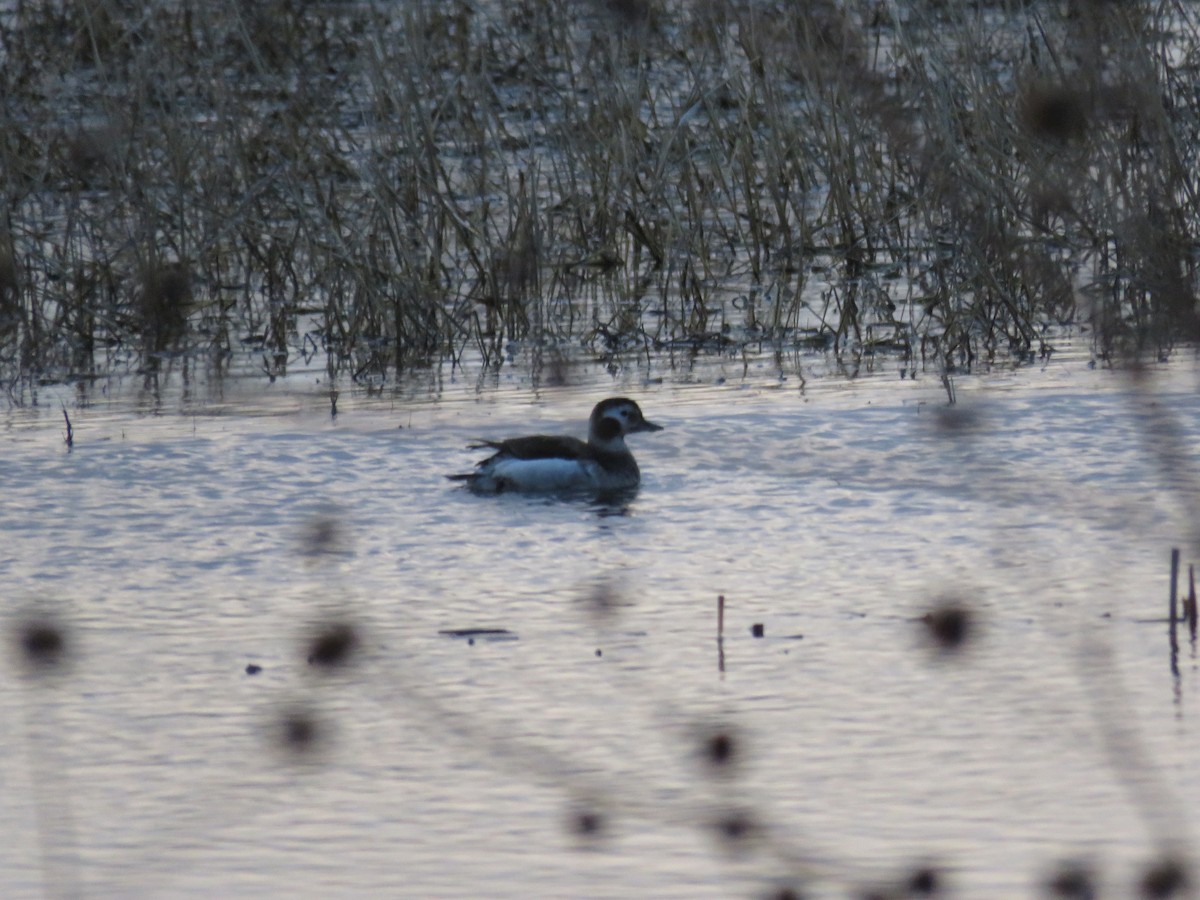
pixel 616 417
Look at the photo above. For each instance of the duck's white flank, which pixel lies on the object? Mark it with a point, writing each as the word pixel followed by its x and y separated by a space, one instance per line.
pixel 546 475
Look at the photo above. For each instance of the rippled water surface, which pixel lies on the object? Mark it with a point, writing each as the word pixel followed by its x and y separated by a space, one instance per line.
pixel 177 545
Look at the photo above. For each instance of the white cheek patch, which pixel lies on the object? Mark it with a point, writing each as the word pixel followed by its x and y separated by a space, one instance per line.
pixel 541 474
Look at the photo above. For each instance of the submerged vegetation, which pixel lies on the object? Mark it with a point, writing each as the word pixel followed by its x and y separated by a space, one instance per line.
pixel 383 186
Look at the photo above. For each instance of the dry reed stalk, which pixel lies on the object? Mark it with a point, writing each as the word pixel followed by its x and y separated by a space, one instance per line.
pixel 395 186
pixel 1173 602
pixel 1189 606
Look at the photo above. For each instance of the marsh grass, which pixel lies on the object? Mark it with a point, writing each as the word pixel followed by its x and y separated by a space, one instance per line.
pixel 385 187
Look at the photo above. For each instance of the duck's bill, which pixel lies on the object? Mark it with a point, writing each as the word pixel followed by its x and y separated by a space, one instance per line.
pixel 648 426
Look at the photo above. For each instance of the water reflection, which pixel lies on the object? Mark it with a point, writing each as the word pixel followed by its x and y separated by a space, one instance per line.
pixel 603 504
pixel 614 503
pixel 185 546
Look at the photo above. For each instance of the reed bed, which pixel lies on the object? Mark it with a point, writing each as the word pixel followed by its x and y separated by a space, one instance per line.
pixel 380 187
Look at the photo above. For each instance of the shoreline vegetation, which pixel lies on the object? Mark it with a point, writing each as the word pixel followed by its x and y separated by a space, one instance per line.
pixel 388 187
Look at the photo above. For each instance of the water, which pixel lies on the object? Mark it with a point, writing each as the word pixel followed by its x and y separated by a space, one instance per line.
pixel 178 546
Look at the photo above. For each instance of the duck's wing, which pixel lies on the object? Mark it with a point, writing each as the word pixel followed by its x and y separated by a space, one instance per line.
pixel 539 463
pixel 538 446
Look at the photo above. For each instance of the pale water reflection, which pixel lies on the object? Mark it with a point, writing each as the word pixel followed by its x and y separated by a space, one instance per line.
pixel 575 760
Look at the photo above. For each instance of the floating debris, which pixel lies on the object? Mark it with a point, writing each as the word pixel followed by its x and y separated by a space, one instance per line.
pixel 489 634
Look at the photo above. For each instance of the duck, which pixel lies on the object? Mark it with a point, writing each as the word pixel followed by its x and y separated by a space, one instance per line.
pixel 544 463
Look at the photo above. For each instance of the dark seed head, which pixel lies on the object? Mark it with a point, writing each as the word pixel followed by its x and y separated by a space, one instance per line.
pixel 165 298
pixel 603 602
pixel 299 731
pixel 720 748
pixel 323 536
pixel 333 646
pixel 736 827
pixel 949 626
pixel 42 644
pixel 1054 113
pixel 958 421
pixel 630 13
pixel 923 882
pixel 1165 878
pixel 1073 882
pixel 587 823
